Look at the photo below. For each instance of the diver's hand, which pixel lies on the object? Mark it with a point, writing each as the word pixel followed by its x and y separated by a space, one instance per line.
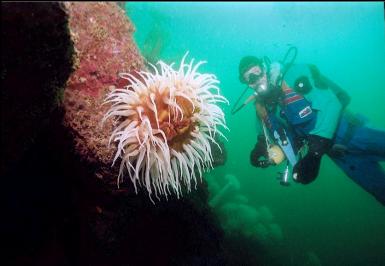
pixel 260 163
pixel 263 163
pixel 314 71
pixel 258 151
pixel 306 170
pixel 255 160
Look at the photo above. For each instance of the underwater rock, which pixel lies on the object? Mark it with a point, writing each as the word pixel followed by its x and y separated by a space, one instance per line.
pixel 275 232
pixel 261 232
pixel 239 198
pixel 122 5
pixel 232 186
pixel 247 215
pixel 36 62
pixel 265 214
pixel 213 185
pixel 103 50
pixel 102 35
pixel 229 214
pixel 238 218
pixel 59 213
pixel 312 259
pixel 119 219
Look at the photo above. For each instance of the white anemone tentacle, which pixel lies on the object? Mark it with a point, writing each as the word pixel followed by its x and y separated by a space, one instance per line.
pixel 166 121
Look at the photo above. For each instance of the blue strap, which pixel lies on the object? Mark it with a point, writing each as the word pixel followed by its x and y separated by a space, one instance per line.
pixel 281 136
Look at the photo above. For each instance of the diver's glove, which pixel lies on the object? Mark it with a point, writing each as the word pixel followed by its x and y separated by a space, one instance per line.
pixel 306 170
pixel 263 163
pixel 260 150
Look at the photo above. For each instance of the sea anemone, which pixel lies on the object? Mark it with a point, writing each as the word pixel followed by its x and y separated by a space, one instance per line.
pixel 165 123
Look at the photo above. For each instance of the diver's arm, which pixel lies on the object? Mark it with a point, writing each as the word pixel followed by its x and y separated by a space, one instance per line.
pixel 338 91
pixel 260 148
pixel 322 81
pixel 261 110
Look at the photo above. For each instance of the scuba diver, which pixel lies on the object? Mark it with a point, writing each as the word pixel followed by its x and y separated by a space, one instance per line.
pixel 303 115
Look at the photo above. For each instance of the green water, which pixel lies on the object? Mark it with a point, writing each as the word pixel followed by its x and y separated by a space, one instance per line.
pixel 332 221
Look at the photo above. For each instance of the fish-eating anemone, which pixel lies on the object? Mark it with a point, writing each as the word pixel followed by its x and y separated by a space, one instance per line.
pixel 164 124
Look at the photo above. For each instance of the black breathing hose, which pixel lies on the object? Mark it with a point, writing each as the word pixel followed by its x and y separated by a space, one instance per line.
pixel 233 110
pixel 288 65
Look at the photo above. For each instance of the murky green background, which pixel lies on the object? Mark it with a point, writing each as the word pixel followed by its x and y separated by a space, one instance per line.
pixel 331 221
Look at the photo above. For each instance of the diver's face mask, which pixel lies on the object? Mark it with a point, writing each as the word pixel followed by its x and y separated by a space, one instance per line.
pixel 256 79
pixel 253 78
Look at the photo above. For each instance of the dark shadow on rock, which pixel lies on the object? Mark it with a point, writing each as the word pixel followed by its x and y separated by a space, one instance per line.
pixel 36 51
pixel 58 213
